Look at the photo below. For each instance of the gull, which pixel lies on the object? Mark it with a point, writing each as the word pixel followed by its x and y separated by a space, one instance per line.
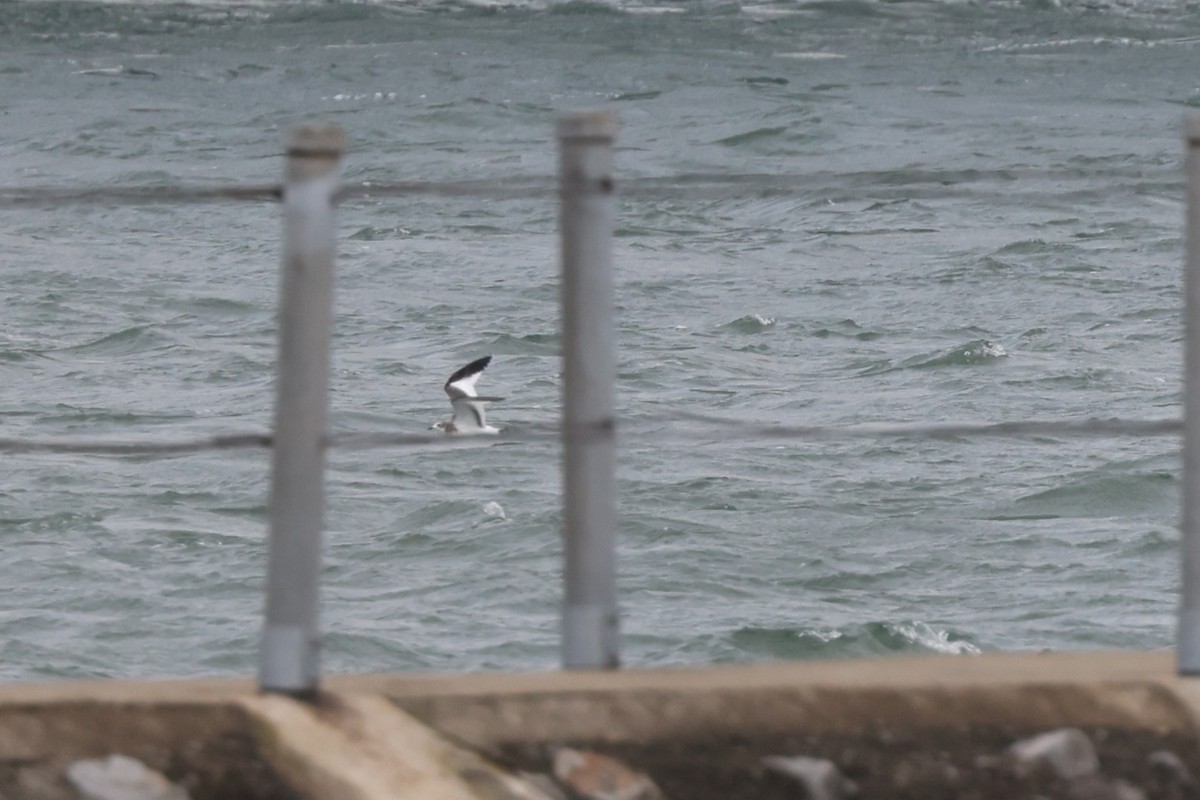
pixel 468 417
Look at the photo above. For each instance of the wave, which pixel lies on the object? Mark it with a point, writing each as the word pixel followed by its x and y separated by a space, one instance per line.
pixel 91 18
pixel 968 354
pixel 1110 492
pixel 751 323
pixel 755 135
pixel 130 341
pixel 852 641
pixel 846 329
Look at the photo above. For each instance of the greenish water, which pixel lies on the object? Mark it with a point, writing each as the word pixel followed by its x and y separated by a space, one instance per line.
pixel 981 223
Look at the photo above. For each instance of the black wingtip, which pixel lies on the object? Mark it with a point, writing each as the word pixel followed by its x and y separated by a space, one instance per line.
pixel 477 365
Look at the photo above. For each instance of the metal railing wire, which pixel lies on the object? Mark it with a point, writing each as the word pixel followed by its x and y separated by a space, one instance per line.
pixel 695 184
pixel 644 428
pixel 585 190
pixel 43 196
pixel 135 447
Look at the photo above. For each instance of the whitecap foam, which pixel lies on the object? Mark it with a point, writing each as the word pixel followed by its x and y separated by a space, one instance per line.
pixel 986 349
pixel 1085 41
pixel 935 639
pixel 343 97
pixel 825 636
pixel 811 56
pixel 653 10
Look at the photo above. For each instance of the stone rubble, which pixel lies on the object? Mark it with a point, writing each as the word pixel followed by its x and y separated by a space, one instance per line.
pixel 34 783
pixel 1124 790
pixel 120 777
pixel 820 777
pixel 591 776
pixel 1098 787
pixel 544 783
pixel 1057 765
pixel 925 768
pixel 1170 770
pixel 1067 753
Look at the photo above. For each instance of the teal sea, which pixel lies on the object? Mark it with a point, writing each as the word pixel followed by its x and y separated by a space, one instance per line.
pixel 955 212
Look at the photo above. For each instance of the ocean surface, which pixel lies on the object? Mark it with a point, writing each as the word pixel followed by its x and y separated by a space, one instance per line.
pixel 973 215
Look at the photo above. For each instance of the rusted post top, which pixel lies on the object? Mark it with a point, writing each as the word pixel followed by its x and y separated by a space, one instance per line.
pixel 313 151
pixel 590 124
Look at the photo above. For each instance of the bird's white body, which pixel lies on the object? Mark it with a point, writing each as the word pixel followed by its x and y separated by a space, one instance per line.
pixel 469 417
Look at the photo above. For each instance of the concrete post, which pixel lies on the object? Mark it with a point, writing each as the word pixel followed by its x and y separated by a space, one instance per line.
pixel 1188 651
pixel 590 620
pixel 291 637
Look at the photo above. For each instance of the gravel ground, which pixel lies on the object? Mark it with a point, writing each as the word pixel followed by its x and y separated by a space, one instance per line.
pixel 965 763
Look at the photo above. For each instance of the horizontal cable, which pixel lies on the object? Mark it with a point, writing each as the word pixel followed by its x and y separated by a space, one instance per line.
pixel 681 186
pixel 501 189
pixel 942 430
pixel 712 429
pixel 135 195
pixel 39 197
pixel 113 447
pixel 373 441
pixel 717 429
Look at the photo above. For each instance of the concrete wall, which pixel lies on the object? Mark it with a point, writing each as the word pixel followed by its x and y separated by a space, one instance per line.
pixel 377 736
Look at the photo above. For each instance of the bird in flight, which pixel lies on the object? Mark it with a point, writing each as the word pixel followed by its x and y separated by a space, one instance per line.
pixel 468 416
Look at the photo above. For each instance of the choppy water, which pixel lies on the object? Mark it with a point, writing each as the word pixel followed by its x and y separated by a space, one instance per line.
pixel 984 225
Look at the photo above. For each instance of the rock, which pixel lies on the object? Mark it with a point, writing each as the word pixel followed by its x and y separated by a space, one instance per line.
pixel 1124 790
pixel 1170 768
pixel 543 783
pixel 1098 787
pixel 820 777
pixel 985 761
pixel 42 781
pixel 1067 753
pixel 593 776
pixel 121 778
pixel 920 769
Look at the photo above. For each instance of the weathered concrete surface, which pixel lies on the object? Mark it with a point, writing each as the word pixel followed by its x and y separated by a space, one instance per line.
pixel 221 739
pixel 1122 689
pixel 362 740
pixel 217 742
pixel 362 746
